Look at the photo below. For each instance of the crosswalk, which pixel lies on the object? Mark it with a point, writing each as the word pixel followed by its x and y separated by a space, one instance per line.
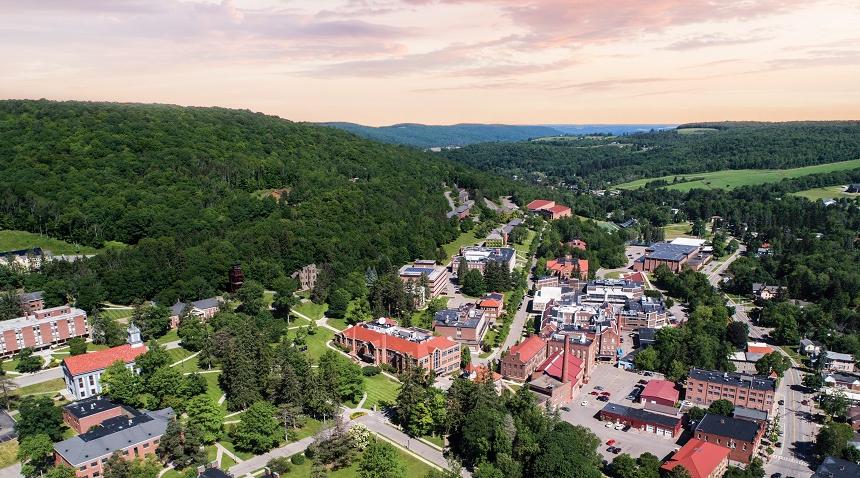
pixel 791 459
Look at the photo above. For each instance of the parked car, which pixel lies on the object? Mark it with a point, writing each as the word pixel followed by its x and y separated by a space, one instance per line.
pixel 648 374
pixel 605 393
pixel 584 403
pixel 781 402
pixel 610 442
pixel 603 398
pixel 565 408
pixel 631 397
pixel 615 450
pixel 643 382
pixel 599 387
pixel 608 425
pixel 594 392
pixel 620 426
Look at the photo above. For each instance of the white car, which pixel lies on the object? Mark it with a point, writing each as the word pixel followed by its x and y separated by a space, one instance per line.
pixel 609 425
pixel 620 426
pixel 584 403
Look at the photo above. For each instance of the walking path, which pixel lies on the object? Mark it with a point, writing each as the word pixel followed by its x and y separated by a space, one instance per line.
pixel 185 359
pixel 253 464
pixel 11 471
pixel 223 451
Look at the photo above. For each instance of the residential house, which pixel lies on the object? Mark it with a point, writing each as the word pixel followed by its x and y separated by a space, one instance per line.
pixel 482 373
pixel 833 467
pixel 524 358
pixel 567 267
pixel 82 373
pixel 509 227
pixel 462 211
pixel 839 362
pixel 578 244
pixel 31 301
pixel 641 419
pixel 82 415
pixel 750 391
pixel 384 342
pixel 425 273
pixel 701 459
pixel 847 381
pixel 810 348
pixel 493 305
pixel 558 378
pixel 42 329
pixel 853 188
pixel 204 309
pixel 767 292
pixel 466 325
pixel 764 250
pixel 132 438
pixel 742 437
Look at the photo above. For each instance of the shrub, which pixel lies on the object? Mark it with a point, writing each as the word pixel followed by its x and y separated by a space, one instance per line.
pixel 279 465
pixel 311 450
pixel 370 371
pixel 298 459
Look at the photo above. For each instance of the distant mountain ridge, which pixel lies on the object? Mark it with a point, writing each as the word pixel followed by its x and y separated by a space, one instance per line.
pixel 430 136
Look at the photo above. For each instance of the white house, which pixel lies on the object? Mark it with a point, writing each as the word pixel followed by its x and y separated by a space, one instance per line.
pixel 82 373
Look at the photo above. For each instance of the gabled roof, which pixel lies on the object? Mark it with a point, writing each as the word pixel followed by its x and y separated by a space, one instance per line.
pixel 552 366
pixel 528 348
pixel 833 467
pixel 663 389
pixel 539 204
pixel 558 208
pixel 391 342
pixel 91 362
pixel 700 458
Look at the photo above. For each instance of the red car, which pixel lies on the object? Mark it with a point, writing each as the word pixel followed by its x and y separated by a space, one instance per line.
pixel 593 393
pixel 605 393
pixel 610 442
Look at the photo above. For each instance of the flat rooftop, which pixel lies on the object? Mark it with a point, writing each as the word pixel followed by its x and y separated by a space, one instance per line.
pixel 755 382
pixel 664 251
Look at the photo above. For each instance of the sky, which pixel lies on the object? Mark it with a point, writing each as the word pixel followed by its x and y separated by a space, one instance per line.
pixel 380 62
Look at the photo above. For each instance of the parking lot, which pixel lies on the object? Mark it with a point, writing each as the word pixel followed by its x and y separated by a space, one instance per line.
pixel 619 383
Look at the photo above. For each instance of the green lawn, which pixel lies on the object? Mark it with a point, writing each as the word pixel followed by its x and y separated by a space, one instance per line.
pixel 673 231
pixel 12 240
pixel 339 324
pixel 241 454
pixel 827 192
pixel 314 311
pixel 52 385
pixel 412 465
pixel 178 354
pixel 523 249
pixel 316 343
pixel 696 130
pixel 606 225
pixel 189 366
pixel 453 248
pixel 8 453
pixel 170 336
pixel 380 388
pixel 268 298
pixel 117 314
pixel 733 178
pixel 9 365
pixel 213 390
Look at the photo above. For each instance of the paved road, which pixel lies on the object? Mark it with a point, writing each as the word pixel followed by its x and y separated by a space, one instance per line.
pixel 260 461
pixel 378 424
pixel 11 471
pixel 714 274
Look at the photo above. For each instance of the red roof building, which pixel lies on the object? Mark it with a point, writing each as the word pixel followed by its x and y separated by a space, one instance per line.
pixel 493 305
pixel 524 358
pixel 558 211
pixel 383 342
pixel 578 244
pixel 539 205
pixel 701 459
pixel 82 373
pixel 558 378
pixel 567 267
pixel 661 392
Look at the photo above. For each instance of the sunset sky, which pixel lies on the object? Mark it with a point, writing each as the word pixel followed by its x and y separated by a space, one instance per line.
pixel 445 61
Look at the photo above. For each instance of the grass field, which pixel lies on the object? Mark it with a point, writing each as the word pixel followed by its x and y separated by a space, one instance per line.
pixel 316 343
pixel 178 354
pixel 827 192
pixel 413 467
pixel 608 226
pixel 213 390
pixel 8 453
pixel 733 178
pixel 696 130
pixel 314 311
pixel 11 240
pixel 380 388
pixel 53 385
pixel 189 366
pixel 117 314
pixel 339 324
pixel 673 231
pixel 466 239
pixel 523 249
pixel 170 336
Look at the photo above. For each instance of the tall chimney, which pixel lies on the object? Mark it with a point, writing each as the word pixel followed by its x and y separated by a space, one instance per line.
pixel 564 359
pixel 384 348
pixel 354 354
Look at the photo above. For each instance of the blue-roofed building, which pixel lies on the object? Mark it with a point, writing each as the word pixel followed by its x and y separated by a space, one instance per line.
pixel 673 256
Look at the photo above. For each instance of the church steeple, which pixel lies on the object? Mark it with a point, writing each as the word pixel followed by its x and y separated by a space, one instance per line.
pixel 134 335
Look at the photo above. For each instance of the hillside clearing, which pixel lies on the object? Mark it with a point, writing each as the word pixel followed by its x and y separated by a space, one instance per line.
pixel 15 240
pixel 827 192
pixel 733 178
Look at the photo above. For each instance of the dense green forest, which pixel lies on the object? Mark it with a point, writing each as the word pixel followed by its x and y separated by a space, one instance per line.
pixel 196 189
pixel 690 148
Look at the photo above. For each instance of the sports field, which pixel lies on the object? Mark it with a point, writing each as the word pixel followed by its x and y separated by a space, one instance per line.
pixel 827 192
pixel 733 178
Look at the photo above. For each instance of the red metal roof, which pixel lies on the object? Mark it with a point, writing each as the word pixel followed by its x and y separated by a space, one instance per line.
pixel 490 303
pixel 663 389
pixel 390 342
pixel 700 458
pixel 102 359
pixel 538 204
pixel 528 348
pixel 558 208
pixel 552 366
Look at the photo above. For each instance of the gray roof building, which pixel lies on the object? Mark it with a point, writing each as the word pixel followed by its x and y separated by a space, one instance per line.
pixel 735 428
pixel 665 251
pixel 833 467
pixel 115 434
pixel 742 380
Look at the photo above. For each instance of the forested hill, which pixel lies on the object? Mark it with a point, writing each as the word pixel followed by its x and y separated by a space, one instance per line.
pixel 597 162
pixel 195 190
pixel 429 136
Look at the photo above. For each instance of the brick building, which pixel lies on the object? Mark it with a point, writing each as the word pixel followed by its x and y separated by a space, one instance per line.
pixel 646 312
pixel 82 415
pixel 660 392
pixel 493 305
pixel 549 209
pixel 384 342
pixel 557 380
pixel 42 329
pixel 478 257
pixel 741 437
pixel 673 256
pixel 466 325
pixel 204 309
pixel 748 391
pixel 524 358
pixel 131 437
pixel 31 301
pixel 657 423
pixel 581 347
pixel 567 267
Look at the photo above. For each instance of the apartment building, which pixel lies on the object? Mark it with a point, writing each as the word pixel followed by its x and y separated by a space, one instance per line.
pixel 748 391
pixel 436 278
pixel 42 329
